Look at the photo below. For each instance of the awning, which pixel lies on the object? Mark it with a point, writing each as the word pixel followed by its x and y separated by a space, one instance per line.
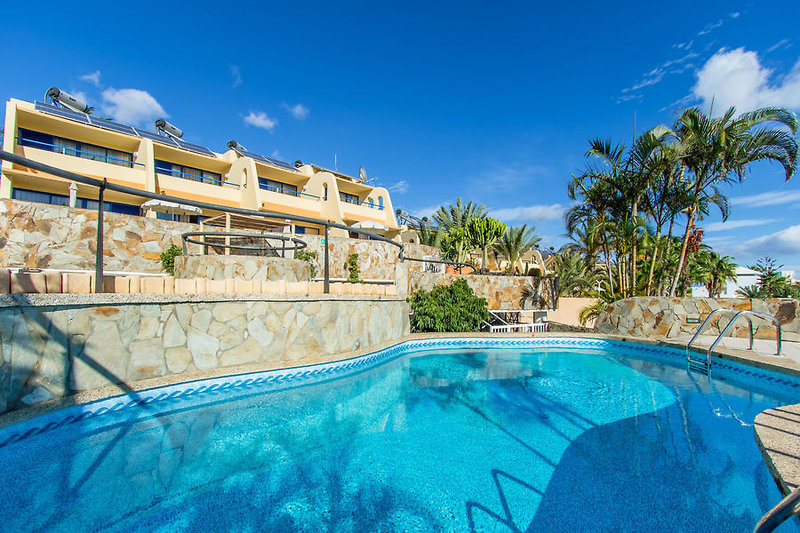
pixel 162 206
pixel 369 224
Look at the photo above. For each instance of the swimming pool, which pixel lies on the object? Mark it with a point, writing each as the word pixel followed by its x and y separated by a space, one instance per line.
pixel 445 435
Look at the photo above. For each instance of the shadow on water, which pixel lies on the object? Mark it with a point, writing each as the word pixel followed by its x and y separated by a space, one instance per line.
pixel 19 376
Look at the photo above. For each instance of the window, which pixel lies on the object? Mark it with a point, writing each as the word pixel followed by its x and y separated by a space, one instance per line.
pixel 188 173
pixel 302 230
pixel 27 195
pixel 51 143
pixel 380 203
pixel 349 198
pixel 277 186
pixel 325 192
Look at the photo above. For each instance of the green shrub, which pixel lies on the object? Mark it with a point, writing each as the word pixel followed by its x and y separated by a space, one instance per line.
pixel 310 257
pixel 447 308
pixel 168 258
pixel 351 265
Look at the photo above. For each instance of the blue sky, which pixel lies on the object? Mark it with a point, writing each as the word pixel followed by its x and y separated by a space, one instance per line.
pixel 493 102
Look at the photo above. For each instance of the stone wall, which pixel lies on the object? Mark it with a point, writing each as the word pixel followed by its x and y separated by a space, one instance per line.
pixel 501 292
pixel 667 317
pixel 48 236
pixel 51 349
pixel 241 267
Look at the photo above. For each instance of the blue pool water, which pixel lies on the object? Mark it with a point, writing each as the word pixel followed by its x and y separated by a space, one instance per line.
pixel 557 438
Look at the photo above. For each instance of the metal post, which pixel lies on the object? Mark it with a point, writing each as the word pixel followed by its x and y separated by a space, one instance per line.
pixel 327 283
pixel 98 260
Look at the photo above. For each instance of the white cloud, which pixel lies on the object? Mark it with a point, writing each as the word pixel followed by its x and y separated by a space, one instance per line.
pixel 275 154
pixel 93 78
pixel 237 76
pixel 779 44
pixel 131 106
pixel 767 198
pixel 506 179
pixel 401 187
pixel 786 242
pixel 259 119
pixel 531 212
pixel 298 111
pixel 735 224
pixel 737 78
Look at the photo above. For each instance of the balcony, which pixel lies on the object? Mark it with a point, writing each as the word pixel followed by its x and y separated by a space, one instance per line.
pixel 129 173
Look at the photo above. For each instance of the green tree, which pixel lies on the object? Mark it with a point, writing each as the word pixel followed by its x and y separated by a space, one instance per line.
pixel 720 150
pixel 458 215
pixel 455 244
pixel 447 308
pixel 715 270
pixel 430 236
pixel 515 242
pixel 483 233
pixel 575 278
pixel 771 283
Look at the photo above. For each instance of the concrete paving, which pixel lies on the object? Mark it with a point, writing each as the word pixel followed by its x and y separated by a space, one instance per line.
pixel 763 347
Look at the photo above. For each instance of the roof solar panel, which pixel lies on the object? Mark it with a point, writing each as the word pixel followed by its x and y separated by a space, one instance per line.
pixel 156 137
pixel 121 128
pixel 194 147
pixel 111 125
pixel 62 112
pixel 267 160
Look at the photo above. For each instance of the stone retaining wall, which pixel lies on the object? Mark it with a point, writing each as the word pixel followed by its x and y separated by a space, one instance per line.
pixel 49 236
pixel 242 267
pixel 51 349
pixel 667 317
pixel 501 292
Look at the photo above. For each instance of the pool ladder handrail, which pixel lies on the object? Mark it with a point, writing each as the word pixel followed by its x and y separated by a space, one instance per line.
pixel 705 366
pixel 779 514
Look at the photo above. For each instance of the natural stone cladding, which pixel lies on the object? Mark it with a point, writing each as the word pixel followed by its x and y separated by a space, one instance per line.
pixel 50 236
pixel 501 292
pixel 667 317
pixel 241 267
pixel 53 350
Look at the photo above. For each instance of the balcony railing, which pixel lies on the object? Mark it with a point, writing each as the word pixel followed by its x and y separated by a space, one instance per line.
pixel 356 201
pixel 83 154
pixel 289 192
pixel 195 177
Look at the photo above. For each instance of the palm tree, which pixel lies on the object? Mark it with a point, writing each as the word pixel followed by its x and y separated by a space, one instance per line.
pixel 430 236
pixel 515 242
pixel 459 214
pixel 574 277
pixel 716 270
pixel 720 150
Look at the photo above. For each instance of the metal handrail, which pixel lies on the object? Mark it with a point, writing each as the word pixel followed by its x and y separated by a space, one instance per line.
pixel 297 244
pixel 747 315
pixel 779 514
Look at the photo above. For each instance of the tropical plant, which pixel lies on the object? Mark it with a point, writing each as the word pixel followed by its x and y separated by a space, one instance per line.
pixel 591 312
pixel 771 282
pixel 539 292
pixel 430 236
pixel 720 150
pixel 168 258
pixel 515 242
pixel 574 277
pixel 458 215
pixel 483 233
pixel 451 307
pixel 354 271
pixel 715 270
pixel 750 291
pixel 309 257
pixel 455 244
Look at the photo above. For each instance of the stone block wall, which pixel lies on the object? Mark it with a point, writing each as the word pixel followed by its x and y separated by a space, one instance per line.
pixel 501 292
pixel 49 236
pixel 667 317
pixel 242 267
pixel 51 349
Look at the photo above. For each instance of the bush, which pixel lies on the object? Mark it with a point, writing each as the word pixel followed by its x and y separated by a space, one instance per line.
pixel 351 265
pixel 310 257
pixel 168 258
pixel 447 308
